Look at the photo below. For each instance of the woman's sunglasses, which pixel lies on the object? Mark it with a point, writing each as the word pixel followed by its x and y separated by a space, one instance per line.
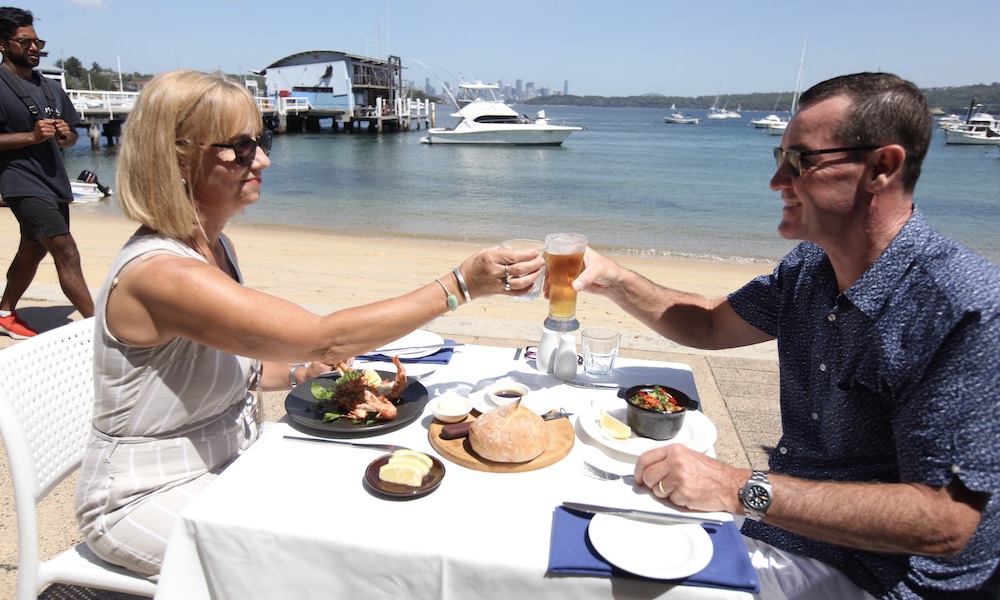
pixel 795 156
pixel 246 149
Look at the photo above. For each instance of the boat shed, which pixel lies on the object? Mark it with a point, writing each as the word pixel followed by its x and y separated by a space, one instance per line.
pixel 324 84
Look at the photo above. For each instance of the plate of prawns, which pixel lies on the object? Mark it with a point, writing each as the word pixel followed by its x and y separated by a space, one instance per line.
pixel 357 402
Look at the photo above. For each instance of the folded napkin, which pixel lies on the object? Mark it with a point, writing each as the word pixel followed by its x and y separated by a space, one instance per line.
pixel 441 357
pixel 570 553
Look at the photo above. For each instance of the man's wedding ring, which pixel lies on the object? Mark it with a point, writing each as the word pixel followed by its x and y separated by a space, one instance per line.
pixel 506 282
pixel 659 484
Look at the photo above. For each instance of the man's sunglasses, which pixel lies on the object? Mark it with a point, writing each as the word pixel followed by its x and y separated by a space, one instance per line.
pixel 27 42
pixel 246 149
pixel 795 156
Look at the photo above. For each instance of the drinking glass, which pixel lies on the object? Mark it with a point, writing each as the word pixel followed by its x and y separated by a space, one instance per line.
pixel 563 264
pixel 600 348
pixel 525 244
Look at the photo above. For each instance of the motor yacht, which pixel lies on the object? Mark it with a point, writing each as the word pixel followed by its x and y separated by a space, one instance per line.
pixel 979 129
pixel 486 119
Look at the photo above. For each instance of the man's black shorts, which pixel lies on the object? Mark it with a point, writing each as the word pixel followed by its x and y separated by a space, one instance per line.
pixel 40 217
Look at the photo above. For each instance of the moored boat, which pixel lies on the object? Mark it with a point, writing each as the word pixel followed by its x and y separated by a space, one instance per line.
pixel 680 119
pixel 86 188
pixel 764 122
pixel 979 129
pixel 486 119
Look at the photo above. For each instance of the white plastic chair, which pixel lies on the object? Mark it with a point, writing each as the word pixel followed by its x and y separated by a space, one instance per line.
pixel 46 399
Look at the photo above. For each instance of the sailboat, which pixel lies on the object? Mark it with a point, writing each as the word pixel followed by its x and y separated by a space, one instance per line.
pixel 715 112
pixel 779 127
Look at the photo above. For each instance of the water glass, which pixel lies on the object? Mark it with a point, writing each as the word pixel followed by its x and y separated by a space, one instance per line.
pixel 526 244
pixel 600 348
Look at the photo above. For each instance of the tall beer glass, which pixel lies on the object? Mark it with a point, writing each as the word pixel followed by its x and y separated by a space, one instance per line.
pixel 563 263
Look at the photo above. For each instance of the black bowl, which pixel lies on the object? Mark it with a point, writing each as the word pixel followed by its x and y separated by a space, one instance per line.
pixel 655 424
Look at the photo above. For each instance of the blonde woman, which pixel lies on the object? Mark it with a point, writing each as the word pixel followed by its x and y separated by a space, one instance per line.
pixel 180 343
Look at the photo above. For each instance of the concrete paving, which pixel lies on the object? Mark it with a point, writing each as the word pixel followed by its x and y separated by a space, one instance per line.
pixel 738 390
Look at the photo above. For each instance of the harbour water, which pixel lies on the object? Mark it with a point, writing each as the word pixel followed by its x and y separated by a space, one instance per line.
pixel 632 183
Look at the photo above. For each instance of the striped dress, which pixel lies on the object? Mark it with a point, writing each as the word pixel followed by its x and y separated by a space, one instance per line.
pixel 166 421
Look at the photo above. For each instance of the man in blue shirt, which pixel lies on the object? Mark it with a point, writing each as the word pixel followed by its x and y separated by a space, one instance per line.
pixel 888 468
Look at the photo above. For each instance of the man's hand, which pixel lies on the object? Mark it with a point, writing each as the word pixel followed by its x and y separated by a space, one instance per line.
pixel 47 128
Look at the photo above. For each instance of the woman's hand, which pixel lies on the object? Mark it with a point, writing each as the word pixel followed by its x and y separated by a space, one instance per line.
pixel 317 368
pixel 486 272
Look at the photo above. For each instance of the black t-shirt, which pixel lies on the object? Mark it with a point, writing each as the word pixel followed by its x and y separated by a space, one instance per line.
pixel 36 170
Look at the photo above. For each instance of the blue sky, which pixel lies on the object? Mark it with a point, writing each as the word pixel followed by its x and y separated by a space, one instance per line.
pixel 601 48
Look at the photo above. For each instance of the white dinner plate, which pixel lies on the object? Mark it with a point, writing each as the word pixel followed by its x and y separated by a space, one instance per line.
pixel 654 550
pixel 420 337
pixel 698 432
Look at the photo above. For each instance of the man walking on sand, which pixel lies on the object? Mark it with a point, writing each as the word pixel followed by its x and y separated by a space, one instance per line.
pixel 37 118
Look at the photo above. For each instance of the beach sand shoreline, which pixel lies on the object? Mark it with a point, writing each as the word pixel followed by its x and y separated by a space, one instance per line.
pixel 324 272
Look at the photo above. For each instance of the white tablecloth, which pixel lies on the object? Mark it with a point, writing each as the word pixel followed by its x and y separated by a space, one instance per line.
pixel 294 520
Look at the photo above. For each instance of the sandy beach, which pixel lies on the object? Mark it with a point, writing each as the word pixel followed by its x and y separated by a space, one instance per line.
pixel 326 272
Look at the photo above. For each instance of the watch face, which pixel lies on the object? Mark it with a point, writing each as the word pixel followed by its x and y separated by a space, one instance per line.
pixel 757 497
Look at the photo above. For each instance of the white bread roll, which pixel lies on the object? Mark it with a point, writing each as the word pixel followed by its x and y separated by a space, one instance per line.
pixel 509 434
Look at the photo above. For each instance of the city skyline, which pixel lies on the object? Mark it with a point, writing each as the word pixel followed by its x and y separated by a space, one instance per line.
pixel 647 46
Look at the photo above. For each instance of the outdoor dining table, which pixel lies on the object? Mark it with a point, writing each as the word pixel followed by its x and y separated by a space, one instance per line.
pixel 292 519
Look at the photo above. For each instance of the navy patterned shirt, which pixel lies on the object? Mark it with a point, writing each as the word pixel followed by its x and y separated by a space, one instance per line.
pixel 896 379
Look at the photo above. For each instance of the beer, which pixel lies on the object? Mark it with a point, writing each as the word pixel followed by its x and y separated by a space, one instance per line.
pixel 562 269
pixel 563 264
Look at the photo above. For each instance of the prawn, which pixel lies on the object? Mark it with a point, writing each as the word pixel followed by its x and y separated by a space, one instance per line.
pixel 358 398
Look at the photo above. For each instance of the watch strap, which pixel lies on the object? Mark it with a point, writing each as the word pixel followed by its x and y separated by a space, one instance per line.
pixel 757 479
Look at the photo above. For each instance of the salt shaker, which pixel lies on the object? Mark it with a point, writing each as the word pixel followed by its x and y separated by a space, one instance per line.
pixel 565 367
pixel 546 359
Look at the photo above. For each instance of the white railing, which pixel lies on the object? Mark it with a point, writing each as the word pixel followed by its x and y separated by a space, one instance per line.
pixel 104 102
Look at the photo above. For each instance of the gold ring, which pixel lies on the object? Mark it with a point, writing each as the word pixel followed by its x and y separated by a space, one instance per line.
pixel 659 484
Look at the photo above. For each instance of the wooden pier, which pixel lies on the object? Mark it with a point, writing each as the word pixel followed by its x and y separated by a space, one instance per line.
pixel 104 113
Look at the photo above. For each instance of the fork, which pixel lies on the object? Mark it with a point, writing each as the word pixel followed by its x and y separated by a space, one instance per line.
pixel 598 473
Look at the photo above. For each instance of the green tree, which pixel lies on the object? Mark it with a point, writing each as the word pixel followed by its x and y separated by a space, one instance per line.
pixel 73 67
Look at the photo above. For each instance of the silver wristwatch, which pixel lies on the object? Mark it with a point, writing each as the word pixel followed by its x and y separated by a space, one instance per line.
pixel 756 495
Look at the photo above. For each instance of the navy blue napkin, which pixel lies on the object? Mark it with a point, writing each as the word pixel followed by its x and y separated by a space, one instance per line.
pixel 441 357
pixel 570 553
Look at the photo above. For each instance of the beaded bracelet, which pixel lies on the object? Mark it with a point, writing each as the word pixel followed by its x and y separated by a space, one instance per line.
pixel 461 284
pixel 452 300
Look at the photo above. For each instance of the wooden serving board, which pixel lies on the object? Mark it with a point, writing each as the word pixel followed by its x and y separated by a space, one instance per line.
pixel 459 451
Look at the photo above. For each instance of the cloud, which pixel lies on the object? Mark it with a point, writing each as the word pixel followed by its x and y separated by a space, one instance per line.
pixel 90 3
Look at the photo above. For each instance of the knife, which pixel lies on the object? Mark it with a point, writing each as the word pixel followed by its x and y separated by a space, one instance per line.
pixel 460 430
pixel 386 447
pixel 412 348
pixel 587 384
pixel 644 515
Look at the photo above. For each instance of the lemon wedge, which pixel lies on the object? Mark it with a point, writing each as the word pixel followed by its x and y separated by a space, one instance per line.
pixel 413 454
pixel 409 461
pixel 404 474
pixel 614 427
pixel 371 377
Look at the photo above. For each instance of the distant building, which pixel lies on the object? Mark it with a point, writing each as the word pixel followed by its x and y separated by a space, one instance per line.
pixel 334 80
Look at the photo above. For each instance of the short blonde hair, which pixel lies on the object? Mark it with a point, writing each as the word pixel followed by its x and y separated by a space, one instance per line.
pixel 176 118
